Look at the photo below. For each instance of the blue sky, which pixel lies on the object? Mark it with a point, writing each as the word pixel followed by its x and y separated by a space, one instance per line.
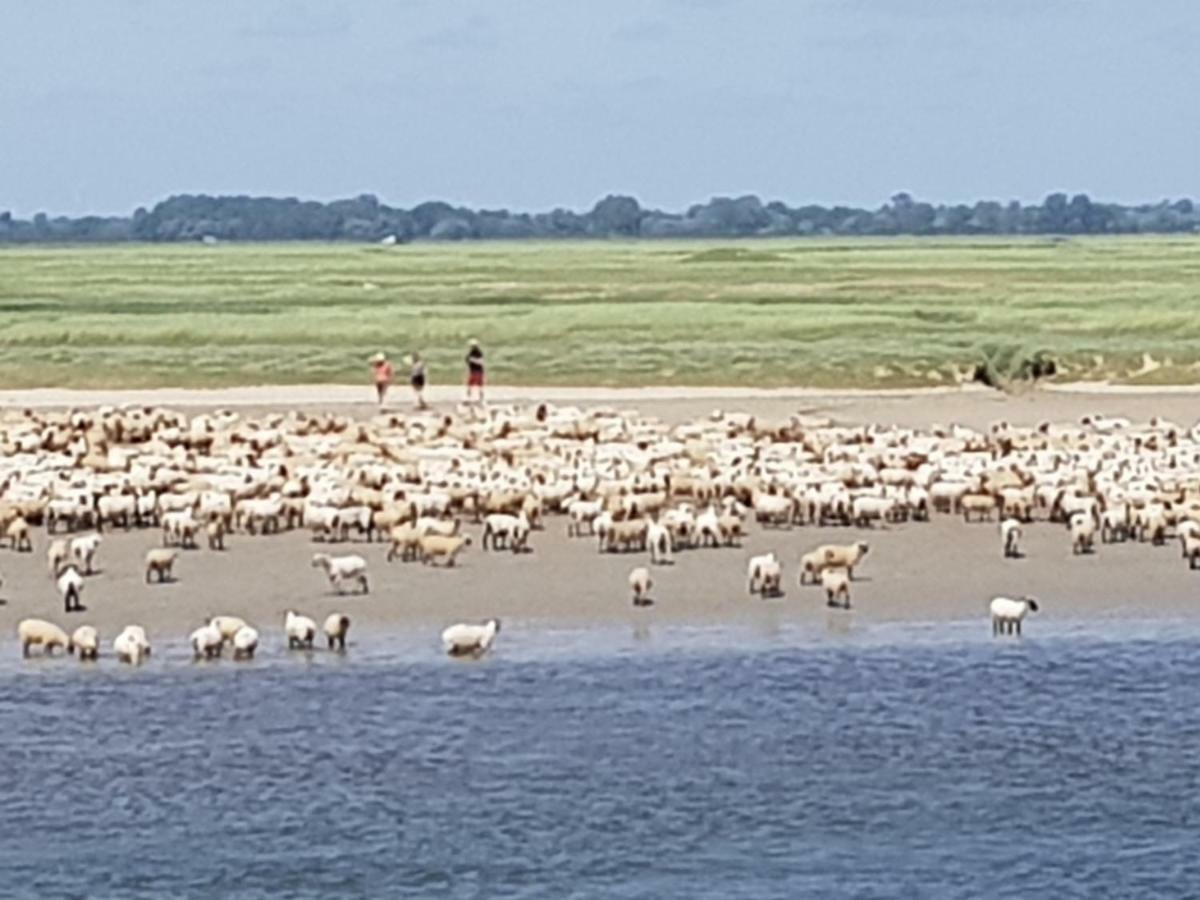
pixel 529 104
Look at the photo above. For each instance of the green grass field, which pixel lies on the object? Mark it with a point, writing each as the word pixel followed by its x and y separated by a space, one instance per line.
pixel 763 313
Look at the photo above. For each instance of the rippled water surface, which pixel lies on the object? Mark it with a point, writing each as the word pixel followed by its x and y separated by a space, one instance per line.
pixel 715 763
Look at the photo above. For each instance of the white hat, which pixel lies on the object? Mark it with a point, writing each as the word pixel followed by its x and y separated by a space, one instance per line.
pixel 379 357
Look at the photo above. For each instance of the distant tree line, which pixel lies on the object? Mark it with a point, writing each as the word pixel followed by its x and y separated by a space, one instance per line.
pixel 364 218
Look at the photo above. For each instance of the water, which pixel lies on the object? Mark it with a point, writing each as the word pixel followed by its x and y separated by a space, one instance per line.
pixel 895 761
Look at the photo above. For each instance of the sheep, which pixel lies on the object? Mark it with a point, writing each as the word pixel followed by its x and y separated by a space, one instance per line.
pixel 179 528
pixel 979 504
pixel 1010 538
pixel 640 583
pixel 131 645
pixel 1188 528
pixel 836 582
pixel 215 532
pixel 1083 533
pixel 864 509
pixel 301 631
pixel 581 513
pixel 83 550
pixel 40 633
pixel 658 539
pixel 1191 550
pixel 245 642
pixel 227 625
pixel 731 528
pixel 56 555
pixel 404 542
pixel 85 641
pixel 505 530
pixel 754 571
pixel 340 569
pixel 335 627
pixel 431 547
pixel 1114 524
pixel 207 642
pixel 470 640
pixel 1007 614
pixel 625 536
pixel 159 562
pixel 831 556
pixel 17 533
pixel 70 586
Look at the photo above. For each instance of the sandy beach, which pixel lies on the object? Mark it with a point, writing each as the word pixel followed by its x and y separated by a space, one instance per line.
pixel 936 571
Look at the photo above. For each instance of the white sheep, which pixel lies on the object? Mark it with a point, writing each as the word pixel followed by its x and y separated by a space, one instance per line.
pixel 301 631
pixel 56 555
pixel 336 626
pixel 640 583
pixel 836 582
pixel 1010 538
pixel 85 641
pixel 1083 533
pixel 245 642
pixel 1007 613
pixel 470 640
pixel 339 569
pixel 227 625
pixel 658 539
pixel 160 562
pixel 207 641
pixel 754 571
pixel 70 586
pixel 131 645
pixel 83 550
pixel 40 633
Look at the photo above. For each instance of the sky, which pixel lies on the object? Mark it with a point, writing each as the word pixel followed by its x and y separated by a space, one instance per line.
pixel 106 105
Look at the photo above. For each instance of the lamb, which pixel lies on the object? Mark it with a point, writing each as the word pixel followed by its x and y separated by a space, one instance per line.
pixel 836 582
pixel 1007 613
pixel 335 627
pixel 56 555
pixel 1188 528
pixel 40 633
pixel 215 532
pixel 1191 549
pixel 754 571
pixel 207 642
pixel 245 642
pixel 731 529
pixel 301 631
pixel 658 538
pixel 340 569
pixel 1010 537
pixel 505 530
pixel 70 586
pixel 227 625
pixel 160 561
pixel 83 550
pixel 179 528
pixel 405 539
pixel 470 640
pixel 85 641
pixel 833 556
pixel 640 583
pixel 131 645
pixel 17 533
pixel 439 546
pixel 1083 533
pixel 1114 524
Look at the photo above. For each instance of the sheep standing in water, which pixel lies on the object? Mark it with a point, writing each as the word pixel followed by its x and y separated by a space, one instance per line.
pixel 85 641
pixel 301 631
pixel 1007 613
pixel 131 645
pixel 245 642
pixel 470 640
pixel 335 627
pixel 40 633
pixel 207 642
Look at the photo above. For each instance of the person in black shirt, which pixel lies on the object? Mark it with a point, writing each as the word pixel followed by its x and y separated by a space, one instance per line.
pixel 417 379
pixel 474 370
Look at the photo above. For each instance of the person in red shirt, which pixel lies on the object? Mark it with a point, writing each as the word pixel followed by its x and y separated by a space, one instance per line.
pixel 382 370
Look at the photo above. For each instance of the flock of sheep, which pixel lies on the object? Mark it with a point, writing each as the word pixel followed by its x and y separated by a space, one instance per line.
pixel 630 483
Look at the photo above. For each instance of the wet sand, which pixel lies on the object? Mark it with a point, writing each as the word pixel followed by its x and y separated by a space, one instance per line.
pixel 937 571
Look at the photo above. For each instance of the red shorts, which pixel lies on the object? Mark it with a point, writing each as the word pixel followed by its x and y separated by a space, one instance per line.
pixel 475 379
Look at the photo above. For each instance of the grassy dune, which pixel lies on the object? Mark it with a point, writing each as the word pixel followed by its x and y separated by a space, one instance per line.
pixel 766 313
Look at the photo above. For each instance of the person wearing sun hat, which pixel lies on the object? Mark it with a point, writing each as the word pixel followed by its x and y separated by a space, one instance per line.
pixel 382 370
pixel 474 369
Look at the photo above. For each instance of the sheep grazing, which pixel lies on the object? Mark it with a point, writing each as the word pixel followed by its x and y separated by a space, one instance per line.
pixel 640 583
pixel 245 642
pixel 470 640
pixel 131 645
pixel 83 550
pixel 836 582
pixel 301 631
pixel 85 641
pixel 18 537
pixel 207 642
pixel 227 625
pixel 160 561
pixel 336 627
pixel 1083 533
pixel 40 633
pixel 1007 614
pixel 1010 538
pixel 340 569
pixel 761 569
pixel 70 586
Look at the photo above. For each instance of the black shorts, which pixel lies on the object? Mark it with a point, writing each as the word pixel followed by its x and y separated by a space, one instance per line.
pixel 418 382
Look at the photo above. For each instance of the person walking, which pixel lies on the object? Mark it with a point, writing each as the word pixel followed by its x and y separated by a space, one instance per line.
pixel 474 369
pixel 417 379
pixel 382 370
